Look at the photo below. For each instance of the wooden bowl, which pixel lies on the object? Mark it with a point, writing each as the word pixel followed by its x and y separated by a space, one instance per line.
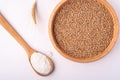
pixel 88 59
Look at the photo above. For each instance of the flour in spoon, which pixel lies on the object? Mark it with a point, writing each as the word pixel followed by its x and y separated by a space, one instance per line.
pixel 40 63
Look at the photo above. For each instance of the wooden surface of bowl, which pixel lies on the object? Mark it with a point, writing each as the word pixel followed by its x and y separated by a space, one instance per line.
pixel 83 30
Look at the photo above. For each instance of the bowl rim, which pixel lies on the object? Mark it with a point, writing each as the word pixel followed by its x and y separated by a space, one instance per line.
pixel 91 59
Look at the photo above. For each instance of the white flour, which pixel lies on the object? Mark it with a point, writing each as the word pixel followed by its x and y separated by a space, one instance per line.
pixel 40 63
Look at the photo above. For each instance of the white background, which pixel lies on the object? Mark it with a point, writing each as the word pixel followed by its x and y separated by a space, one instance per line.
pixel 14 63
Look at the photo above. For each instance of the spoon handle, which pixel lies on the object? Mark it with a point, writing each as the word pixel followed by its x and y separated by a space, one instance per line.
pixel 13 32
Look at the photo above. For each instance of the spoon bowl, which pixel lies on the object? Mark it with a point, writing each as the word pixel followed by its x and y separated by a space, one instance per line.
pixel 45 63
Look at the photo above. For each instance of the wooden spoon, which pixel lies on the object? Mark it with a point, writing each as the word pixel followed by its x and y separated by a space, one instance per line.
pixel 29 50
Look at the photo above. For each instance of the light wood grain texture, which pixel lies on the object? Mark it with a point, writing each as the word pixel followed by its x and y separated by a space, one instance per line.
pixel 105 52
pixel 22 42
pixel 13 32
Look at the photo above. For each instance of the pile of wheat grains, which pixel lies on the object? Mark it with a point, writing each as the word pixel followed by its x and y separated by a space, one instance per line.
pixel 83 28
